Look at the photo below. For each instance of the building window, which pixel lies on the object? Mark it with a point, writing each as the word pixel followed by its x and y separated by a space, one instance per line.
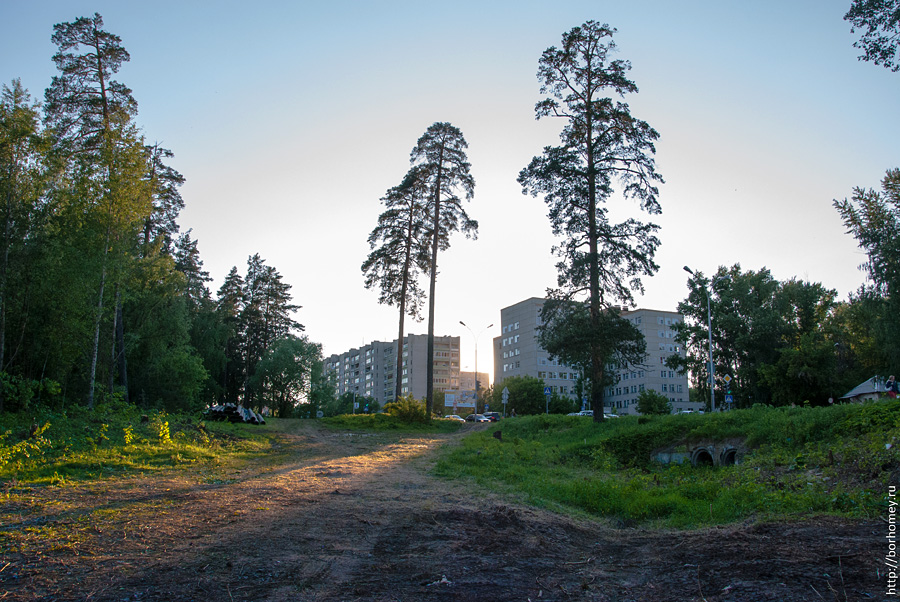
pixel 516 327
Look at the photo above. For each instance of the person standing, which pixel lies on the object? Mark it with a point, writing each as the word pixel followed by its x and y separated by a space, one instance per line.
pixel 891 387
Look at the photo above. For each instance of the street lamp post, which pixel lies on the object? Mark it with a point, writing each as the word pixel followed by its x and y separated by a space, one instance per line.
pixel 712 366
pixel 480 332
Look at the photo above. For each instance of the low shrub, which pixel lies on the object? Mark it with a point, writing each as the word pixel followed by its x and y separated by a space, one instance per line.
pixel 408 409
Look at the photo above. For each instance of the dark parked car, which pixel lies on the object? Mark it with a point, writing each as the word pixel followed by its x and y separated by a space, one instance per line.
pixel 493 416
pixel 477 418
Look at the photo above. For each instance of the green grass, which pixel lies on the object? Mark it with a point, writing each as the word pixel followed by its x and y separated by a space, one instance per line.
pixel 802 461
pixel 58 447
pixel 386 422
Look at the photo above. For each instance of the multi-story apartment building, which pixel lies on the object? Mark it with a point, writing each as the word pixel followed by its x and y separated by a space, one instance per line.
pixel 467 381
pixel 653 374
pixel 517 353
pixel 370 371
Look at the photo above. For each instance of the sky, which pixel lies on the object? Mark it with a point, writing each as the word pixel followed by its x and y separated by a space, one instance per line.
pixel 290 120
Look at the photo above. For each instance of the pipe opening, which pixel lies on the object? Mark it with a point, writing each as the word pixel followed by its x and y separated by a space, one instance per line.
pixel 729 457
pixel 701 457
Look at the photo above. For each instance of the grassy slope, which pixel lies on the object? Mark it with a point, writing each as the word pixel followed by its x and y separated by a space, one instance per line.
pixel 802 461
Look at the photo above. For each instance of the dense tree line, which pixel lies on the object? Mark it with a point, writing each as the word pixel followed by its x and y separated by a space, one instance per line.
pixel 100 293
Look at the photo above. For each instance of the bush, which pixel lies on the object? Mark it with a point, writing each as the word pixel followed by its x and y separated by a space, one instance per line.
pixel 650 402
pixel 408 409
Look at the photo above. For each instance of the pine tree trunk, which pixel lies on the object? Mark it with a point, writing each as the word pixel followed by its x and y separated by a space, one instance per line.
pixel 429 385
pixel 597 359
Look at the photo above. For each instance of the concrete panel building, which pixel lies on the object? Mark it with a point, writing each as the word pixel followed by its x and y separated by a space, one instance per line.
pixel 370 371
pixel 467 381
pixel 517 353
pixel 657 327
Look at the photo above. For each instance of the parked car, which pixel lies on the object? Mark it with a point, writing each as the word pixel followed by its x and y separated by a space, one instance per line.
pixel 492 416
pixel 477 418
pixel 586 413
pixel 455 417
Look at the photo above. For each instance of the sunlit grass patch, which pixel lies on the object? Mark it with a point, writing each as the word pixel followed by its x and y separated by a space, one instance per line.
pixel 65 447
pixel 386 422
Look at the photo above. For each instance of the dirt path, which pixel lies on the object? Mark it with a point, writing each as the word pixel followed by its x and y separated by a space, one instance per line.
pixel 357 517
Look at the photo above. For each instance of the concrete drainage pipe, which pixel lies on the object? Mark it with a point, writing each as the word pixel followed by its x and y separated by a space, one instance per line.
pixel 728 457
pixel 701 456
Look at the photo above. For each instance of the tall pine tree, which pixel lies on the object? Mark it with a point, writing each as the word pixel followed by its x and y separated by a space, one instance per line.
pixel 441 155
pixel 601 144
pixel 400 252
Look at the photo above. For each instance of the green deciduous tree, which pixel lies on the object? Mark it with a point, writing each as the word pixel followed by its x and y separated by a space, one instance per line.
pixel 440 154
pixel 285 375
pixel 880 22
pixel 779 341
pixel 400 252
pixel 602 144
pixel 526 395
pixel 22 189
pixel 568 333
pixel 650 402
pixel 873 218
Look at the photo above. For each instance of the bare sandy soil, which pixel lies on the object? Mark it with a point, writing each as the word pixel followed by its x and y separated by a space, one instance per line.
pixel 349 516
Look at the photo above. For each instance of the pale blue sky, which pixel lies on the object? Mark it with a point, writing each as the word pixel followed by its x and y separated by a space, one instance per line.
pixel 291 119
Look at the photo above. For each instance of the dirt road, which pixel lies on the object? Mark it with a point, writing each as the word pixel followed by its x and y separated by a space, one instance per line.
pixel 349 516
